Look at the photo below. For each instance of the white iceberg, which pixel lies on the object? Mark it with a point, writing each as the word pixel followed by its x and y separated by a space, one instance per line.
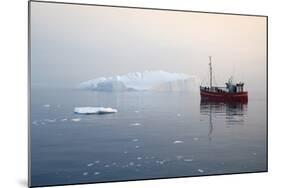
pixel 144 81
pixel 94 110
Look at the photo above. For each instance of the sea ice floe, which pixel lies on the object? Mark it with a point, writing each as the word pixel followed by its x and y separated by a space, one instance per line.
pixel 178 142
pixel 64 119
pixel 97 162
pixel 188 160
pixel 85 173
pixel 94 110
pixel 178 115
pixel 160 162
pixel 76 119
pixel 90 164
pixel 135 140
pixel 137 147
pixel 136 111
pixel 106 166
pixel 200 170
pixel 179 157
pixel 138 165
pixel 131 163
pixel 135 124
pixel 47 105
pixel 96 173
pixel 50 120
pixel 139 158
pixel 195 139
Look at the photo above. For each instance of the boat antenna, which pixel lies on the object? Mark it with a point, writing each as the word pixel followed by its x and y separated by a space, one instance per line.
pixel 210 64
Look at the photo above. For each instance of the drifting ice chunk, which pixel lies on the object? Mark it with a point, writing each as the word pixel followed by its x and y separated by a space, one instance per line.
pixel 179 157
pixel 90 164
pixel 50 120
pixel 135 124
pixel 76 119
pixel 160 162
pixel 200 170
pixel 178 142
pixel 47 105
pixel 94 110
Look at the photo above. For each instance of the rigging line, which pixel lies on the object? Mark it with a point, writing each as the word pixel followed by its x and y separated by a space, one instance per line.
pixel 214 76
pixel 233 70
pixel 215 81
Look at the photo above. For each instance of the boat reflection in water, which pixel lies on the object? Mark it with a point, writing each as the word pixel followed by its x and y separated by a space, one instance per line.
pixel 227 113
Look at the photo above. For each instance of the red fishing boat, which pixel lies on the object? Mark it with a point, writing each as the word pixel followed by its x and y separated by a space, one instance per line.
pixel 233 92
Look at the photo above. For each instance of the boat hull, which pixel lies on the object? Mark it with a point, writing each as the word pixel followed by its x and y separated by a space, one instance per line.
pixel 224 96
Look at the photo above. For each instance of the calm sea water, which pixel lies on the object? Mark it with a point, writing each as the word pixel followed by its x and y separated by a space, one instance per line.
pixel 153 135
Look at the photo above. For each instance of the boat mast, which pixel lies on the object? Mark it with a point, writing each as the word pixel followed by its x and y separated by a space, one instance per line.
pixel 210 64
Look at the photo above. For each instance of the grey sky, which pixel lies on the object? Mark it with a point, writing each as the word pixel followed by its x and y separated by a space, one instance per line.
pixel 73 43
